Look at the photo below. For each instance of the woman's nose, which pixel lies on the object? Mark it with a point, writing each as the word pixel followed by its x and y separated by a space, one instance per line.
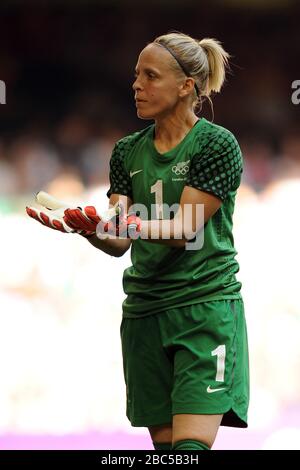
pixel 136 84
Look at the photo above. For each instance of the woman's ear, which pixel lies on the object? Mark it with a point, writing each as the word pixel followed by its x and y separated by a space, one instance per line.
pixel 187 87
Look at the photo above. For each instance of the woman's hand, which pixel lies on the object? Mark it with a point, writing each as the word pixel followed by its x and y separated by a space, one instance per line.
pixel 58 215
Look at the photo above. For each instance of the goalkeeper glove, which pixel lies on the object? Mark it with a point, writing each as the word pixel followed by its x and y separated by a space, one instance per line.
pixel 54 216
pixel 88 219
pixel 122 225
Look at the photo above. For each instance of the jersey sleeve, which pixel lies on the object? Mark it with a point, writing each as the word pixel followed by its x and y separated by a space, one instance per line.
pixel 120 182
pixel 217 168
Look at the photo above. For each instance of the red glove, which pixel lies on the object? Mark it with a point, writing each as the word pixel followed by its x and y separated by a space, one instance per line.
pixel 59 216
pixel 52 215
pixel 82 220
pixel 134 224
pixel 122 225
pixel 88 219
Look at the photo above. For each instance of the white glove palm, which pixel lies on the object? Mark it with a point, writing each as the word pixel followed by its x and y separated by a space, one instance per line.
pixel 53 214
pixel 58 215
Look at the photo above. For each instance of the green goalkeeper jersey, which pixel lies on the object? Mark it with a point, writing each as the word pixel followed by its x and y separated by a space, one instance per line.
pixel 163 277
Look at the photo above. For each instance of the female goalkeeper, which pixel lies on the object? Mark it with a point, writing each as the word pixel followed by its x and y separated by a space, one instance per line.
pixel 183 329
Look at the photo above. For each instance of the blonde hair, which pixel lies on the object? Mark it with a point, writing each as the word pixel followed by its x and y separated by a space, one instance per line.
pixel 205 60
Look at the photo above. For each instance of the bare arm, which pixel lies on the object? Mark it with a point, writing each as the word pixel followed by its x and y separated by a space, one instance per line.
pixel 196 207
pixel 113 246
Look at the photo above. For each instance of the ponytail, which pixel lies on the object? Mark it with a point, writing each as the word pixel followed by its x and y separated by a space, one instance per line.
pixel 217 62
pixel 204 60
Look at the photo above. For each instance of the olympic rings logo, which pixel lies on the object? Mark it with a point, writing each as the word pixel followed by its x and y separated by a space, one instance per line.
pixel 181 168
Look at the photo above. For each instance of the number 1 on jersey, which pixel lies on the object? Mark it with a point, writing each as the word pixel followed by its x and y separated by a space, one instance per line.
pixel 157 189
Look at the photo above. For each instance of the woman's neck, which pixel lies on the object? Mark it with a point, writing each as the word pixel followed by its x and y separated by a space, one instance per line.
pixel 171 130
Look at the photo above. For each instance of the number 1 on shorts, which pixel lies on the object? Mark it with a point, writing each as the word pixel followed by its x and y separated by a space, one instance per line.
pixel 220 352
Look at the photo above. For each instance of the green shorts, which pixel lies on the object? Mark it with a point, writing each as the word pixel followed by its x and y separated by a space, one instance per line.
pixel 192 359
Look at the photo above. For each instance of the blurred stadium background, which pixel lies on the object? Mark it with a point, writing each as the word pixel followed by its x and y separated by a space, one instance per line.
pixel 68 68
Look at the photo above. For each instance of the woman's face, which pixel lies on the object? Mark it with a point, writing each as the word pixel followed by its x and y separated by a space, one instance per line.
pixel 156 85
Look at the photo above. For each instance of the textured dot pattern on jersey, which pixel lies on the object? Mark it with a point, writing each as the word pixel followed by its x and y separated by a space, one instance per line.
pixel 120 182
pixel 217 167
